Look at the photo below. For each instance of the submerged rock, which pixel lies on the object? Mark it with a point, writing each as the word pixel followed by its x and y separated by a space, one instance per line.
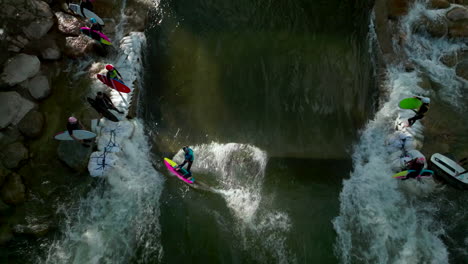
pixel 20 68
pixel 31 125
pixel 74 155
pixel 37 230
pixel 3 207
pixel 13 108
pixel 5 234
pixel 3 174
pixel 437 27
pixel 39 87
pixel 13 191
pixel 14 154
pixel 462 69
pixel 51 53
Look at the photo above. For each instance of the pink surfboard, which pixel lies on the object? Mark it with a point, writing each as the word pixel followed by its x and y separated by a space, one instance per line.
pixel 171 167
pixel 114 84
pixel 103 38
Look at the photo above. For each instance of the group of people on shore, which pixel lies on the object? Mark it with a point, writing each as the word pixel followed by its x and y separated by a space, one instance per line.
pixel 103 102
pixel 416 165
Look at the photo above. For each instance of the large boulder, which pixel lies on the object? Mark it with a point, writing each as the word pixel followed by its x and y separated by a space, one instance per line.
pixel 38 28
pixel 31 125
pixel 43 19
pixel 437 27
pixel 13 108
pixel 13 155
pixel 39 87
pixel 68 24
pixel 462 69
pixel 74 155
pixel 17 43
pixel 397 8
pixel 13 191
pixel 458 30
pixel 457 14
pixel 78 46
pixel 439 4
pixel 20 68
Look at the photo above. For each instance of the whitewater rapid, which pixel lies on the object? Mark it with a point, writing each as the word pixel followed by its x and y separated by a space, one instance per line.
pixel 236 172
pixel 383 220
pixel 120 215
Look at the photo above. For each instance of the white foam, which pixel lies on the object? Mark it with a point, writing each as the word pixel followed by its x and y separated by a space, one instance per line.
pixel 383 220
pixel 240 172
pixel 115 218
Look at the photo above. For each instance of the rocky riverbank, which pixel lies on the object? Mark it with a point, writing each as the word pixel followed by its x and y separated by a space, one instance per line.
pixel 44 59
pixel 444 20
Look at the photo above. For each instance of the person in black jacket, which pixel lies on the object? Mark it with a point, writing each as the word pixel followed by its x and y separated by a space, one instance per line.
pixel 86 4
pixel 421 111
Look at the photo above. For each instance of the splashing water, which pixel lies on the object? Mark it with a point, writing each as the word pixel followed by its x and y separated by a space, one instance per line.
pixel 381 220
pixel 240 173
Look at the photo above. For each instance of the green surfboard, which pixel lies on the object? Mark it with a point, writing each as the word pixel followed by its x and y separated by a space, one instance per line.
pixel 410 103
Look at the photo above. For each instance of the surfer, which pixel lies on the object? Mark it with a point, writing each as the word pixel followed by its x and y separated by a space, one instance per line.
pixel 421 111
pixel 86 4
pixel 95 25
pixel 74 124
pixel 417 165
pixel 112 73
pixel 95 29
pixel 104 102
pixel 188 159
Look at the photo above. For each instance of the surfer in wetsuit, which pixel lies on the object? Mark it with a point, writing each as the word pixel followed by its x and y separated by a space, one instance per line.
pixel 188 159
pixel 74 124
pixel 94 29
pixel 104 102
pixel 421 111
pixel 417 165
pixel 112 73
pixel 86 4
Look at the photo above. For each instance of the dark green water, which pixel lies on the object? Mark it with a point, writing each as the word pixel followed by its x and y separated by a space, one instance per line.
pixel 290 78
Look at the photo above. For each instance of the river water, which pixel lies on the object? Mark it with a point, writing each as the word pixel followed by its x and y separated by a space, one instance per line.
pixel 278 101
pixel 271 95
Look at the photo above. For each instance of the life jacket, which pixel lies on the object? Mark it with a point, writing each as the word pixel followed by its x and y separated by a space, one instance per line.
pixel 113 74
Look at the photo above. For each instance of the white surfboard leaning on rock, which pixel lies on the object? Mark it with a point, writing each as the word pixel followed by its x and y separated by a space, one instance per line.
pixel 87 13
pixel 79 134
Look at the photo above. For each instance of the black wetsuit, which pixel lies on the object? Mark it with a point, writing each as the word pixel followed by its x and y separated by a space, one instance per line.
pixel 417 167
pixel 74 126
pixel 419 115
pixel 104 102
pixel 189 157
pixel 88 5
pixel 96 27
